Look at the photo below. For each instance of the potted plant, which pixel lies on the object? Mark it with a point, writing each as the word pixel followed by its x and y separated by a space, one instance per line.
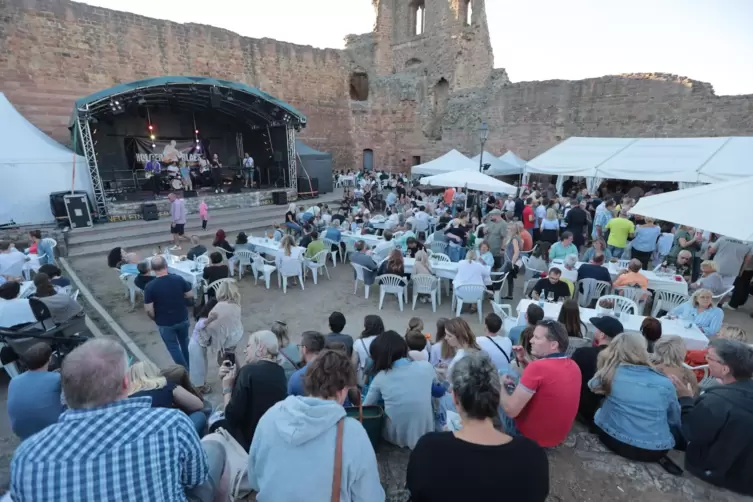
pixel 605 307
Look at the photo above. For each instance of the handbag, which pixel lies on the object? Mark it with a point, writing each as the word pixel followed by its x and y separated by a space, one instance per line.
pixel 371 418
pixel 236 463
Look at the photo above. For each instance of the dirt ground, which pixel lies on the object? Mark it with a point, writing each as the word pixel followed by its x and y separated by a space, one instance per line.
pixel 580 470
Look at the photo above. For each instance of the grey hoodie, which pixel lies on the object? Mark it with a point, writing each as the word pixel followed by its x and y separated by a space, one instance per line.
pixel 292 455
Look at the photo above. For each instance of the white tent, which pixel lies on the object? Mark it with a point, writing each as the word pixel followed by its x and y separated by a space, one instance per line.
pixel 498 167
pixel 470 179
pixel 707 207
pixel 33 165
pixel 510 158
pixel 689 160
pixel 450 161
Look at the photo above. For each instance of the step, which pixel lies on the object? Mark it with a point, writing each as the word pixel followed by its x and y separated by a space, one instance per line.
pixel 103 247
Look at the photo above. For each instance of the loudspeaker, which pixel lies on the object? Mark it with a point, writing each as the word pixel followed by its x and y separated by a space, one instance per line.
pixel 149 212
pixel 278 157
pixel 215 98
pixel 77 207
pixel 188 194
pixel 280 198
pixel 57 206
pixel 236 186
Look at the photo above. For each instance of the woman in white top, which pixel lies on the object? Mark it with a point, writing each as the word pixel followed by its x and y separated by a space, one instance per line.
pixel 288 259
pixel 372 327
pixel 471 271
pixel 550 227
pixel 441 353
pixel 404 386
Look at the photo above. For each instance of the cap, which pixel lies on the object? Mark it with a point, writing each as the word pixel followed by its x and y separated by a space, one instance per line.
pixel 494 212
pixel 607 325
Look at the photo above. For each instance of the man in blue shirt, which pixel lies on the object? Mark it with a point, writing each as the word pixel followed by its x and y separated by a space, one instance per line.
pixel 34 397
pixel 595 270
pixel 165 302
pixel 311 344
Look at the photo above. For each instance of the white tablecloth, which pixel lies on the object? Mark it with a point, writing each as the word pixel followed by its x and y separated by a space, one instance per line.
pixel 444 269
pixel 185 270
pixel 655 282
pixel 267 246
pixel 693 337
pixel 369 239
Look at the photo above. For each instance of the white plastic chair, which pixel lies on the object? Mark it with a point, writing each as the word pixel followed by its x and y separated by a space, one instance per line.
pixel 594 288
pixel 440 257
pixel 469 293
pixel 215 286
pixel 282 280
pixel 360 277
pixel 17 268
pixel 350 247
pixel 334 254
pixel 74 295
pixel 439 247
pixel 528 287
pixel 638 295
pixel 131 289
pixel 53 244
pixel 707 380
pixel 667 300
pixel 720 296
pixel 393 284
pixel 498 278
pixel 242 258
pixel 203 260
pixel 502 310
pixel 261 266
pixel 428 285
pixel 622 304
pixel 316 263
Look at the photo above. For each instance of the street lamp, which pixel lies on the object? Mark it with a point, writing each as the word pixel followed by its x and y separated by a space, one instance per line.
pixel 483 134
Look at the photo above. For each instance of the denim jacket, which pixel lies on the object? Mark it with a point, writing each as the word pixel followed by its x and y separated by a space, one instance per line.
pixel 641 408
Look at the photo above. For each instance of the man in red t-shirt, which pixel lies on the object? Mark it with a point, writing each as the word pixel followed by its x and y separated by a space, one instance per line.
pixel 529 219
pixel 545 402
pixel 449 195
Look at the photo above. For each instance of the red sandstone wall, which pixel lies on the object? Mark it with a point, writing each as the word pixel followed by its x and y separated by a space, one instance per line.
pixel 54 51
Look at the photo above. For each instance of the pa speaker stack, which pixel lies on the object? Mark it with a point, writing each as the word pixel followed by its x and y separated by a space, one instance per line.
pixel 308 188
pixel 280 198
pixel 149 211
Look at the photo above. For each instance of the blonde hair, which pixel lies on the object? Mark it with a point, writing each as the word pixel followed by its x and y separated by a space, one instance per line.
pixel 551 214
pixel 471 255
pixel 669 350
pixel 732 332
pixel 266 340
pixel 710 264
pixel 229 292
pixel 144 375
pixel 287 243
pixel 700 292
pixel 422 257
pixel 625 348
pixel 513 230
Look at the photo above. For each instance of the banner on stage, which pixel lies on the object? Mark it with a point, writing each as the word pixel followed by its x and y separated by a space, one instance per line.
pixel 168 152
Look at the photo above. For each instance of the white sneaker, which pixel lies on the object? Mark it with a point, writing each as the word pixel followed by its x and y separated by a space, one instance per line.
pixel 728 306
pixel 216 191
pixel 175 248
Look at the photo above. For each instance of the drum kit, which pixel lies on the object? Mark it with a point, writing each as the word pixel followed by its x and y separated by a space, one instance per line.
pixel 170 179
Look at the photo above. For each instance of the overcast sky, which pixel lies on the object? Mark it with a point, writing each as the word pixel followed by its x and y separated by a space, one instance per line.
pixel 707 40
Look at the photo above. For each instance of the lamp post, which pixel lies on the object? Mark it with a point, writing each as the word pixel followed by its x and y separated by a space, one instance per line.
pixel 483 134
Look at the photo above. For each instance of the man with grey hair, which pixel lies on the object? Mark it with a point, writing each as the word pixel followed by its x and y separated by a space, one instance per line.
pixel 543 405
pixel 718 425
pixel 165 301
pixel 108 447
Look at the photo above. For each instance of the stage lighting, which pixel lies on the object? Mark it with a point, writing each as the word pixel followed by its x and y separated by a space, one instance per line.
pixel 196 131
pixel 154 146
pixel 152 137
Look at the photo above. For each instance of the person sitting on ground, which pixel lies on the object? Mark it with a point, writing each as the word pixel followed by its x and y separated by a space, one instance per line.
pixel 460 337
pixel 197 249
pixel 415 338
pixel 441 352
pixel 15 312
pixel 62 307
pixel 632 276
pixel 310 436
pixel 215 271
pixel 249 391
pixel 651 331
pixel 544 404
pixel 336 325
pixel 34 396
pixel 373 326
pixel 290 357
pixel 533 315
pixel 220 241
pixel 606 328
pixel 495 343
pixel 551 287
pixel 394 265
pixel 145 276
pixel 595 269
pixel 718 425
pixel 130 264
pixel 701 309
pixel 55 275
pixel 564 247
pixel 312 343
pixel 598 248
pixel 640 407
pixel 710 279
pixel 115 257
pixel 668 357
pixel 460 459
pixel 95 384
pixel 404 386
pixel 145 380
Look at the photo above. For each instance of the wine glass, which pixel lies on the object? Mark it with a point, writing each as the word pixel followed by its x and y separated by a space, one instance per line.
pixel 550 297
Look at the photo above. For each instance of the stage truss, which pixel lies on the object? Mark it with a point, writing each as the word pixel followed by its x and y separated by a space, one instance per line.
pixel 292 159
pixel 84 130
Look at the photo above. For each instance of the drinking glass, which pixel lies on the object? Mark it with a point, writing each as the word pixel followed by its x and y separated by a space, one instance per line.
pixel 550 297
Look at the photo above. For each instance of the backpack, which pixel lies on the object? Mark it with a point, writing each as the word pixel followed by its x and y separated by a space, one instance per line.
pixel 235 472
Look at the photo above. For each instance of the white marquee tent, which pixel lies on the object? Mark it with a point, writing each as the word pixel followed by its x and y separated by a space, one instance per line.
pixel 498 166
pixel 707 207
pixel 32 165
pixel 688 160
pixel 451 161
pixel 510 158
pixel 469 179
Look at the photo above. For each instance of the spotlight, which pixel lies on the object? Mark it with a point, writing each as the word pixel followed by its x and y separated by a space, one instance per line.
pixel 196 131
pixel 151 137
pixel 154 146
pixel 151 127
pixel 197 140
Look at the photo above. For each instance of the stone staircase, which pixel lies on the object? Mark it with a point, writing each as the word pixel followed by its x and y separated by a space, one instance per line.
pixel 99 239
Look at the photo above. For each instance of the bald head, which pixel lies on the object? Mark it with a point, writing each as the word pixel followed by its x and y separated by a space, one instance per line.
pixel 159 264
pixel 94 374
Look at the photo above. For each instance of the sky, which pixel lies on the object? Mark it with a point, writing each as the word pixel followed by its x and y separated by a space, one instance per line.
pixel 706 40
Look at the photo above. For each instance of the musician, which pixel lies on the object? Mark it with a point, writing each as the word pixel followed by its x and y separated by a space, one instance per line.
pixel 154 169
pixel 185 174
pixel 248 169
pixel 216 167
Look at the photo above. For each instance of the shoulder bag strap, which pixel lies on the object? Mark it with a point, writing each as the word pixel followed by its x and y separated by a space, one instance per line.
pixel 363 344
pixel 500 349
pixel 288 358
pixel 337 478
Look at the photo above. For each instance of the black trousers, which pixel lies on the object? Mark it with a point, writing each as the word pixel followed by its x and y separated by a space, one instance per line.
pixel 156 183
pixel 742 289
pixel 630 452
pixel 217 178
pixel 642 256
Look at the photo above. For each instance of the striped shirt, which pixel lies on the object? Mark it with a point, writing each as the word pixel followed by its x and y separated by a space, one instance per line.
pixel 601 218
pixel 124 451
pixel 710 320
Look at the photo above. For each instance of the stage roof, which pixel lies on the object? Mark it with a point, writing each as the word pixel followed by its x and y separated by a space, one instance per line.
pixel 189 94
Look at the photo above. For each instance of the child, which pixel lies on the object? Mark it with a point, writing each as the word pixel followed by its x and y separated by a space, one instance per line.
pixel 197 350
pixel 417 340
pixel 203 214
